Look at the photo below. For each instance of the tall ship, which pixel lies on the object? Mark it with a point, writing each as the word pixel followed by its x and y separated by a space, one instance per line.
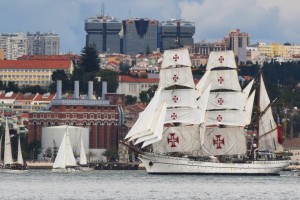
pixel 201 129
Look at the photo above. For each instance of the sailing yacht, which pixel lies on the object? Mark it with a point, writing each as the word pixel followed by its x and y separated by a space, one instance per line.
pixel 83 161
pixel 200 129
pixel 8 164
pixel 65 160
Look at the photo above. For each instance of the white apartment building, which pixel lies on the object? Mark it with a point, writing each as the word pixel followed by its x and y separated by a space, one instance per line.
pixel 14 45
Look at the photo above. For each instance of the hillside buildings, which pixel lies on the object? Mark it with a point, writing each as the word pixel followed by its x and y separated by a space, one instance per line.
pixel 32 72
pixel 18 44
pixel 237 39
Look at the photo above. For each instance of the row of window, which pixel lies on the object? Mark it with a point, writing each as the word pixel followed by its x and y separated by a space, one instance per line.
pixel 23 76
pixel 84 116
pixel 27 70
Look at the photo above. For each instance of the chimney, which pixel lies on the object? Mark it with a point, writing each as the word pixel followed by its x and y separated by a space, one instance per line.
pixel 58 89
pixel 104 89
pixel 76 90
pixel 90 90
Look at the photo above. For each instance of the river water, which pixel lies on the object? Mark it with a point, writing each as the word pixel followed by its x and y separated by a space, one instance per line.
pixel 43 184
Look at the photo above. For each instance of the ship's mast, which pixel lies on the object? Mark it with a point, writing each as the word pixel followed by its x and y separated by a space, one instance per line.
pixel 258 105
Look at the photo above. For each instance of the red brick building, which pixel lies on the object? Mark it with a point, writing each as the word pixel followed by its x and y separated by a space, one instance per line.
pixel 102 116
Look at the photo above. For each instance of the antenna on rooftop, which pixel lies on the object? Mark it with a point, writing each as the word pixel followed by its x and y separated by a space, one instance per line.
pixel 129 13
pixel 102 9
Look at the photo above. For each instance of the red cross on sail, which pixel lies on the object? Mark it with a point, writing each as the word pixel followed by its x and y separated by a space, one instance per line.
pixel 173 140
pixel 221 80
pixel 175 99
pixel 219 118
pixel 220 101
pixel 175 78
pixel 221 59
pixel 218 141
pixel 174 116
pixel 175 57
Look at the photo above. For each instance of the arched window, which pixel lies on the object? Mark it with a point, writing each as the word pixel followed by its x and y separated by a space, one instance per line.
pixel 98 135
pixel 105 135
pixel 49 124
pixel 91 134
pixel 74 123
pixel 84 124
pixel 56 123
pixel 112 135
pixel 34 131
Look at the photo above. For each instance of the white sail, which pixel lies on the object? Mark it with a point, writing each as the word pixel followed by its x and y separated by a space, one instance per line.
pixel 221 59
pixel 224 141
pixel 268 138
pixel 249 108
pixel 65 156
pixel 226 117
pixel 1 148
pixel 226 100
pixel 268 135
pixel 221 80
pixel 83 160
pixel 184 115
pixel 248 88
pixel 179 98
pixel 20 157
pixel 202 84
pixel 142 124
pixel 176 76
pixel 179 139
pixel 7 146
pixel 176 57
pixel 158 129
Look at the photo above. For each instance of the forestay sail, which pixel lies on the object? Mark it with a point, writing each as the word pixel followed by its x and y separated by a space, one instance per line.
pixel 268 135
pixel 20 157
pixel 83 160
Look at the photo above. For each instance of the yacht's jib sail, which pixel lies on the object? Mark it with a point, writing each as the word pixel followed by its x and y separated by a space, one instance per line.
pixel 224 141
pixel 83 160
pixel 268 135
pixel 7 146
pixel 65 156
pixel 20 157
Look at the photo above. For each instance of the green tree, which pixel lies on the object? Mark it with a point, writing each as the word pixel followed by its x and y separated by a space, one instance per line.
pixel 111 77
pixel 110 154
pixel 90 61
pixel 12 86
pixel 48 152
pixel 60 75
pixel 144 97
pixel 130 100
pixel 35 148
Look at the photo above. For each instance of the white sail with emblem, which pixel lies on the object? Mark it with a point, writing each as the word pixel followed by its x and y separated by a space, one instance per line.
pixel 178 139
pixel 221 59
pixel 225 100
pixel 226 117
pixel 176 76
pixel 226 79
pixel 176 57
pixel 179 98
pixel 224 141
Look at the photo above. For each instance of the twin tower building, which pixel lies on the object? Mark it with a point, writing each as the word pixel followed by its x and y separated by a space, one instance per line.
pixel 137 35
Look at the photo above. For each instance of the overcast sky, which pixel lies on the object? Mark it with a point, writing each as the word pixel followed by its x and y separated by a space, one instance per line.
pixel 265 20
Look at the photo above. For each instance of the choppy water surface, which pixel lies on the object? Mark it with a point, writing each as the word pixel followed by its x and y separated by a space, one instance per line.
pixel 43 184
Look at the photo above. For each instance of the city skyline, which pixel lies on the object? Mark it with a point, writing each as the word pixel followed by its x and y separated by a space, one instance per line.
pixel 266 21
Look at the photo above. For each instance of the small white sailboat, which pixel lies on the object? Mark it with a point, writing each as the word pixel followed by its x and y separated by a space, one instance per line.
pixel 65 160
pixel 83 160
pixel 8 164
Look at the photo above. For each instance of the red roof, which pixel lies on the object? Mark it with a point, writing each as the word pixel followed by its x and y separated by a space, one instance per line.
pixel 26 97
pixel 13 96
pixel 41 97
pixel 128 79
pixel 49 57
pixel 35 64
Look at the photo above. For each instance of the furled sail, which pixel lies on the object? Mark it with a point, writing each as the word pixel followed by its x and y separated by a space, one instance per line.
pixel 176 57
pixel 224 141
